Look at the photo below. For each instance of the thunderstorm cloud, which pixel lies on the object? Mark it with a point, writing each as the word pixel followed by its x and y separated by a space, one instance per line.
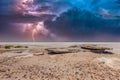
pixel 59 20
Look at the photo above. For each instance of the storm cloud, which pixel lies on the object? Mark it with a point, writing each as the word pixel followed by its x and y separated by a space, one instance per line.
pixel 68 20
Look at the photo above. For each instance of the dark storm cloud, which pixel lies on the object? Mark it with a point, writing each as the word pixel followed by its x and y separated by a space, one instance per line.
pixel 76 20
pixel 6 7
pixel 84 26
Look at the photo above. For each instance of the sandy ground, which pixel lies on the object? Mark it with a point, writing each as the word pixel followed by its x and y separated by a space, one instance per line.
pixel 34 63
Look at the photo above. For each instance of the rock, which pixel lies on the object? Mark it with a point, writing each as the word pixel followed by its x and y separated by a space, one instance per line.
pixel 74 46
pixel 96 49
pixel 2 70
pixel 57 51
pixel 38 54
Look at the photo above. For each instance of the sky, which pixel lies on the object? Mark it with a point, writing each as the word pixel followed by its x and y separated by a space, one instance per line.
pixel 60 20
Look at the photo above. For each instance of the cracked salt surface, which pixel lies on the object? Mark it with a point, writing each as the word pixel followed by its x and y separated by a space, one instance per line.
pixel 111 62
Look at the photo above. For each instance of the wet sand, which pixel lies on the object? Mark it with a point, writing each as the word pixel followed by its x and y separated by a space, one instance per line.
pixel 74 63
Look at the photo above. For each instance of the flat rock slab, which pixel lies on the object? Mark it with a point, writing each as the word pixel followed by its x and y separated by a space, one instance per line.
pixel 97 49
pixel 57 51
pixel 90 47
pixel 38 54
